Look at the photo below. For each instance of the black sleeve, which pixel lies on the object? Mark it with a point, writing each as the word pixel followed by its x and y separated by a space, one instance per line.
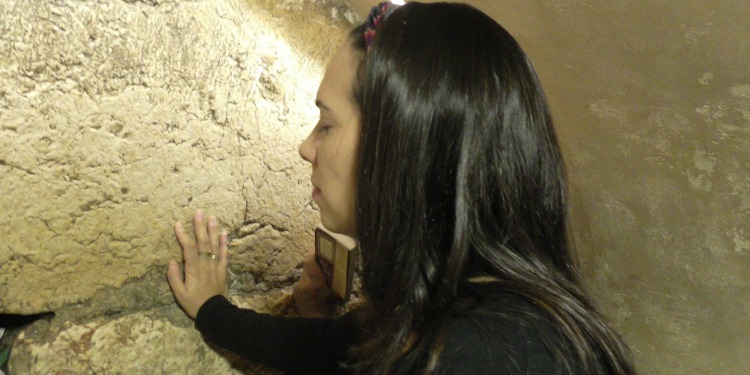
pixel 296 345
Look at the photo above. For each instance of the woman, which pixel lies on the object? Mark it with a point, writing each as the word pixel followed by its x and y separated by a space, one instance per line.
pixel 435 150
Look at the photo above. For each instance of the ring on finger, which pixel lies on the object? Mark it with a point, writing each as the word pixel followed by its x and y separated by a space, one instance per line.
pixel 209 255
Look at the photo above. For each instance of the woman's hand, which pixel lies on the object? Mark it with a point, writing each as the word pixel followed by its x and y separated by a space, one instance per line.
pixel 206 261
pixel 311 295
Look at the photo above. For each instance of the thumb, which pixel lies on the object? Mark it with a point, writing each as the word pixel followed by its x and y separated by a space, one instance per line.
pixel 311 268
pixel 174 277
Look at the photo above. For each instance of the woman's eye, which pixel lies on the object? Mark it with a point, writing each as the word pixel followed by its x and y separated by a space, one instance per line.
pixel 324 128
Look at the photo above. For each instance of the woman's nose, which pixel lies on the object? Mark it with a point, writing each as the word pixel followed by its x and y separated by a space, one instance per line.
pixel 307 149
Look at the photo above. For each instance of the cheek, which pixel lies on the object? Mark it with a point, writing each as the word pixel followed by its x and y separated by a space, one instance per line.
pixel 348 166
pixel 340 160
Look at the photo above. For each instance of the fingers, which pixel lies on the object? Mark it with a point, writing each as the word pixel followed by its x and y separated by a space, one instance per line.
pixel 203 277
pixel 308 261
pixel 213 235
pixel 223 250
pixel 187 243
pixel 311 268
pixel 201 233
pixel 310 293
pixel 207 238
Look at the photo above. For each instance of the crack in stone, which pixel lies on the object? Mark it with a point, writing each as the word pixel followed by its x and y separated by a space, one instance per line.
pixel 16 167
pixel 251 227
pixel 137 294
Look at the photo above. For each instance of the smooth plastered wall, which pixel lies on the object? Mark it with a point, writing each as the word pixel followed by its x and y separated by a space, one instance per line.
pixel 652 104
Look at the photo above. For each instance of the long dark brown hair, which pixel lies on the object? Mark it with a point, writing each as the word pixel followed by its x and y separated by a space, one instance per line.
pixel 460 175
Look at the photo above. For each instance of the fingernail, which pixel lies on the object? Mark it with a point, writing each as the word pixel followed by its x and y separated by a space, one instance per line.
pixel 199 214
pixel 212 220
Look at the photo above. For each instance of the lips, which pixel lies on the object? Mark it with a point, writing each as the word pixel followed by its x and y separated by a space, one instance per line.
pixel 315 191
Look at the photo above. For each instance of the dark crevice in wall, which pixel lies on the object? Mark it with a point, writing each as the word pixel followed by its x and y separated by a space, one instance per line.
pixel 11 325
pixel 12 321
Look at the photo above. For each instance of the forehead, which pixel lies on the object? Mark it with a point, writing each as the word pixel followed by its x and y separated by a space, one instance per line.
pixel 336 87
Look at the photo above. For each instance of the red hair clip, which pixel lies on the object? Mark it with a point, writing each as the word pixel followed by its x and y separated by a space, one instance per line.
pixel 375 19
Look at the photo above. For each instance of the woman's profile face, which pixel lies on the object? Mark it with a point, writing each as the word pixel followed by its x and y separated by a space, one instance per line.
pixel 331 147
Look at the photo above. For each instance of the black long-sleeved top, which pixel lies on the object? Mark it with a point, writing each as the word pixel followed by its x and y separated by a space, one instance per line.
pixel 503 334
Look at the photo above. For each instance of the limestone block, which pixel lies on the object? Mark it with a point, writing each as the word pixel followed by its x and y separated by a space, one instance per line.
pixel 140 343
pixel 118 119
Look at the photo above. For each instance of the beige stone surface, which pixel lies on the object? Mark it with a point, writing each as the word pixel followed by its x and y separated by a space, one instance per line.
pixel 118 118
pixel 134 344
pixel 652 103
pixel 159 341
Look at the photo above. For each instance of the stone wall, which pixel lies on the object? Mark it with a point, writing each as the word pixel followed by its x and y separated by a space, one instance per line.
pixel 118 118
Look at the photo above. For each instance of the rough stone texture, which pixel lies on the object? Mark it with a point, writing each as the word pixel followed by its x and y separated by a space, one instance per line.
pixel 652 102
pixel 118 118
pixel 158 341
